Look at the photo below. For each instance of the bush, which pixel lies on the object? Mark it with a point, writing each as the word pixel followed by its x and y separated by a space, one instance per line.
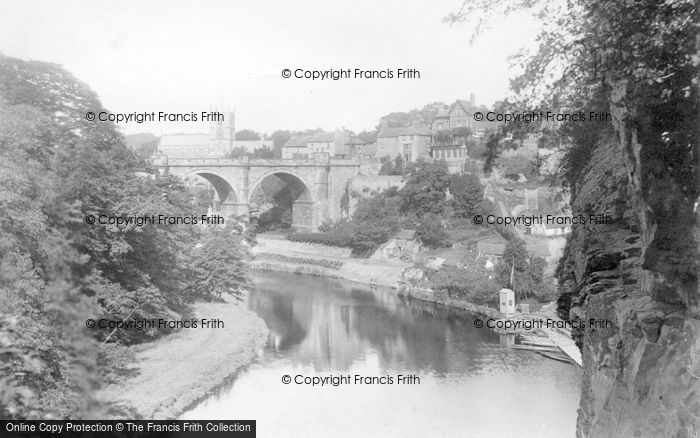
pixel 330 238
pixel 431 233
pixel 470 285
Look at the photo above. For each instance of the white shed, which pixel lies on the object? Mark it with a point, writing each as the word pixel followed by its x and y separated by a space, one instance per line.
pixel 506 300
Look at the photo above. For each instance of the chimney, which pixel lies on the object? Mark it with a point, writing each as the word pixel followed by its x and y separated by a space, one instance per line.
pixel 471 100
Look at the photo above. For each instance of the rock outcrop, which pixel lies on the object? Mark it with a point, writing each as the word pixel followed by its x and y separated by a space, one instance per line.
pixel 634 286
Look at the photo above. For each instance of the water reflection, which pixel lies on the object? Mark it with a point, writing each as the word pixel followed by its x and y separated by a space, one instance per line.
pixel 471 382
pixel 330 327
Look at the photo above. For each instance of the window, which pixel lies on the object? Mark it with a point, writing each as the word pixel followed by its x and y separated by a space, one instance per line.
pixel 407 152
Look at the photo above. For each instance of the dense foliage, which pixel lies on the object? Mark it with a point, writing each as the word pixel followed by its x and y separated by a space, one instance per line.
pixel 57 271
pixel 374 221
pixel 528 278
pixel 638 59
pixel 470 281
pixel 423 116
pixel 467 193
pixel 417 206
pixel 260 153
pixel 392 167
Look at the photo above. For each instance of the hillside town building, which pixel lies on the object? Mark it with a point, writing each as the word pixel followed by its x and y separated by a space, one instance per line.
pixel 409 142
pixel 220 140
pixel 301 147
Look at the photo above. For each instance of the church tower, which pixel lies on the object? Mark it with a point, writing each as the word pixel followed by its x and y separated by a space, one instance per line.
pixel 224 131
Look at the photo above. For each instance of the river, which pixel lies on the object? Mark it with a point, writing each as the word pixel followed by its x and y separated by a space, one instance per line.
pixel 471 383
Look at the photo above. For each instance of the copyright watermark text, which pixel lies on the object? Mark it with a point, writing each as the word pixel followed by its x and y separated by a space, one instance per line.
pixel 544 220
pixel 542 116
pixel 153 219
pixel 336 74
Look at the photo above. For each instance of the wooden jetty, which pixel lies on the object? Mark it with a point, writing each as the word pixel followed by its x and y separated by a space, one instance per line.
pixel 551 342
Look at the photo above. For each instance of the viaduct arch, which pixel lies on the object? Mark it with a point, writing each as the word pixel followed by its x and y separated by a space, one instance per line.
pixel 315 186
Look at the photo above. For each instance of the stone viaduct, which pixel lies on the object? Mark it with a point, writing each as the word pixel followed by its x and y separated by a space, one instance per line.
pixel 317 185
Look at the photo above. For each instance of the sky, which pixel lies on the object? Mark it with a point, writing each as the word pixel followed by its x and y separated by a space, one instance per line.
pixel 191 56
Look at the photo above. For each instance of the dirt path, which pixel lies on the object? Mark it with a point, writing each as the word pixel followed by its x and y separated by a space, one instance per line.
pixel 178 370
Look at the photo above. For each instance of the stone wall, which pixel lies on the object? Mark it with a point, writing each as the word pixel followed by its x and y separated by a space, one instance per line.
pixel 642 373
pixel 338 181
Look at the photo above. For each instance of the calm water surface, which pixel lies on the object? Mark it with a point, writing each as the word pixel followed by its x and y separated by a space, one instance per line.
pixel 471 383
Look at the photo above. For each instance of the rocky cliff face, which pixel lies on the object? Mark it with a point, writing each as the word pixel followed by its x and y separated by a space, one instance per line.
pixel 637 278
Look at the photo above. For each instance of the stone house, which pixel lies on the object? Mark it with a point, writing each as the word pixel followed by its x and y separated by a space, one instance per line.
pixel 409 142
pixel 299 147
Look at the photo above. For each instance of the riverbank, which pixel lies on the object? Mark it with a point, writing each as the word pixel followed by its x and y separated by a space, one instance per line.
pixel 297 257
pixel 273 254
pixel 432 297
pixel 180 369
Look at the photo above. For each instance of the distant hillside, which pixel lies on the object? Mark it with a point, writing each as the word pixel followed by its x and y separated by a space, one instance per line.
pixel 144 144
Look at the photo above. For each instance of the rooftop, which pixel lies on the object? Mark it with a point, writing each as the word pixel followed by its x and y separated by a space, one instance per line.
pixel 321 137
pixel 404 130
pixel 299 141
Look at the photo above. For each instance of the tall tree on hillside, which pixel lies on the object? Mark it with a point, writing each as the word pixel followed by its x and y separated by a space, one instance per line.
pixel 467 193
pixel 426 188
pixel 528 272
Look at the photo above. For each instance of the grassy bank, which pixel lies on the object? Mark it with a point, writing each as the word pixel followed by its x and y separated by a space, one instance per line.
pixel 176 371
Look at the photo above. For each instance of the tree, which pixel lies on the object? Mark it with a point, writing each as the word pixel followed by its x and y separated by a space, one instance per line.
pixel 528 272
pixel 469 281
pixel 431 233
pixel 375 220
pixel 467 193
pixel 280 137
pixel 58 170
pixel 399 166
pixel 247 134
pixel 422 116
pixel 258 153
pixel 426 188
pixel 395 120
pixel 368 137
pixel 387 167
pixel 493 151
pixel 217 264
